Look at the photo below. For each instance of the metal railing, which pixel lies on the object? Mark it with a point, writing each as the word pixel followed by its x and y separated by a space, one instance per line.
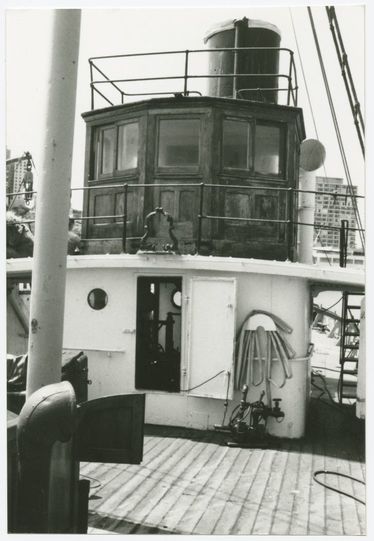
pixel 290 195
pixel 120 85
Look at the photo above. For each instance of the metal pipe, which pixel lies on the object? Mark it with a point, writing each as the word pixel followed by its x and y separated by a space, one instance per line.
pixel 124 226
pixel 51 231
pixel 200 218
pixel 307 179
pixel 185 92
pixel 343 243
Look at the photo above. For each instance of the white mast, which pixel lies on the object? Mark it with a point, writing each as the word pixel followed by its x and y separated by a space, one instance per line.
pixel 51 226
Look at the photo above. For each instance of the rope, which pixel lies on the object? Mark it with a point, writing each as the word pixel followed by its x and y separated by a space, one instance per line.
pixel 318 472
pixel 203 383
pixel 336 126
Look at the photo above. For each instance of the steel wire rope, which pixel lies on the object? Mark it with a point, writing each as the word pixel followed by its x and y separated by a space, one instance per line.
pixel 336 127
pixel 312 113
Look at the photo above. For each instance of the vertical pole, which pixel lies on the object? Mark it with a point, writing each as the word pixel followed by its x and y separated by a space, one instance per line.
pixel 185 92
pixel 290 79
pixel 91 87
pixel 343 243
pixel 236 59
pixel 200 218
pixel 51 225
pixel 290 223
pixel 124 229
pixel 307 181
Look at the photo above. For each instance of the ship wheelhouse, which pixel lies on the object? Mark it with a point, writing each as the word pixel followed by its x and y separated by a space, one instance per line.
pixel 222 168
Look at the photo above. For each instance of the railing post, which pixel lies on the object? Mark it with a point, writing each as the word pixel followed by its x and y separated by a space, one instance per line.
pixel 185 91
pixel 290 195
pixel 91 87
pixel 124 226
pixel 200 218
pixel 343 243
pixel 290 79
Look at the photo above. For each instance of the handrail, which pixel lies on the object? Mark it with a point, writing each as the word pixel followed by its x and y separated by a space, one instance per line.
pixel 287 221
pixel 185 76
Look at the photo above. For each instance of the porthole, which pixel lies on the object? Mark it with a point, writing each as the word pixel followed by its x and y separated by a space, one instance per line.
pixel 176 298
pixel 97 299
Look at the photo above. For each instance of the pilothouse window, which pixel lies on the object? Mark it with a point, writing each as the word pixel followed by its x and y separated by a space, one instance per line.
pixel 107 151
pixel 128 135
pixel 237 144
pixel 179 141
pixel 268 154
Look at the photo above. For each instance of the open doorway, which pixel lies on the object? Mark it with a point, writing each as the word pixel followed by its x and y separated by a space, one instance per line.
pixel 158 333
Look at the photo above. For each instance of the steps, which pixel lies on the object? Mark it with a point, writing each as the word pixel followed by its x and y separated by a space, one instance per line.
pixel 349 346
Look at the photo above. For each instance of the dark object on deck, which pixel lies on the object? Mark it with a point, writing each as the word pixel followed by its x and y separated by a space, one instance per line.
pixel 110 429
pixel 73 370
pixel 53 435
pixel 251 433
pixel 47 491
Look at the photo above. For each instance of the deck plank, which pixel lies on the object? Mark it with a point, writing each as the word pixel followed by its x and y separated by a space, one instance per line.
pixel 188 489
pixel 214 496
pixel 300 513
pixel 154 486
pixel 181 474
pixel 317 507
pixel 256 491
pixel 191 483
pixel 264 519
pixel 201 490
pixel 241 485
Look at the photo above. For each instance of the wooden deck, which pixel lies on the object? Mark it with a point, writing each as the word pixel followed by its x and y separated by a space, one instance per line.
pixel 190 482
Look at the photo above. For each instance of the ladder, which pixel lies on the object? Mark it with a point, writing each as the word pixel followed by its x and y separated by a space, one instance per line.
pixel 349 345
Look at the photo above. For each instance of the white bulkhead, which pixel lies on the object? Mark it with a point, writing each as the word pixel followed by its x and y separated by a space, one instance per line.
pixel 216 298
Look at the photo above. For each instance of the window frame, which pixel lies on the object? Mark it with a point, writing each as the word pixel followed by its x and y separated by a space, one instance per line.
pixel 250 157
pixel 179 169
pixel 99 142
pixel 282 168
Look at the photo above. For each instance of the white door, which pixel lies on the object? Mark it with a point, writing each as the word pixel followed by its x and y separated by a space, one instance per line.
pixel 211 336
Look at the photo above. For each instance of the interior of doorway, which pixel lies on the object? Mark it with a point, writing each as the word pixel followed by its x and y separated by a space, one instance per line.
pixel 158 333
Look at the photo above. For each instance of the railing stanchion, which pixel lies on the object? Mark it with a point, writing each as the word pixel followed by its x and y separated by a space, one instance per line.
pixel 343 243
pixel 290 80
pixel 185 91
pixel 124 227
pixel 91 87
pixel 200 218
pixel 290 224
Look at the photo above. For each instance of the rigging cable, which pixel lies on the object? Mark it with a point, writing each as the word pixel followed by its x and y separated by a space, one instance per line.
pixel 347 76
pixel 337 131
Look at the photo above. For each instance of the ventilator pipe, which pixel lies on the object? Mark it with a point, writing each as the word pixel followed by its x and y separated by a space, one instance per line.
pixel 52 216
pixel 312 156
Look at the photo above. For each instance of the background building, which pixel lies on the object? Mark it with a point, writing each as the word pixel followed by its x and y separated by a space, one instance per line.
pixel 15 172
pixel 330 210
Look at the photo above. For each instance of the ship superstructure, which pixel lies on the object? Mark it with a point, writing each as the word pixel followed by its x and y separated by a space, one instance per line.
pixel 191 223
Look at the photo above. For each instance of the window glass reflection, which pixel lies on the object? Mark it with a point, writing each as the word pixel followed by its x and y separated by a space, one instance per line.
pixel 128 137
pixel 267 154
pixel 179 142
pixel 237 146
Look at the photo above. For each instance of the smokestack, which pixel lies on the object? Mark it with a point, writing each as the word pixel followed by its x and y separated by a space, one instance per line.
pixel 244 33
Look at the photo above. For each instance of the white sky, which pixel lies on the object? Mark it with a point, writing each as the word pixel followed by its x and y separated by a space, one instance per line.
pixel 117 31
